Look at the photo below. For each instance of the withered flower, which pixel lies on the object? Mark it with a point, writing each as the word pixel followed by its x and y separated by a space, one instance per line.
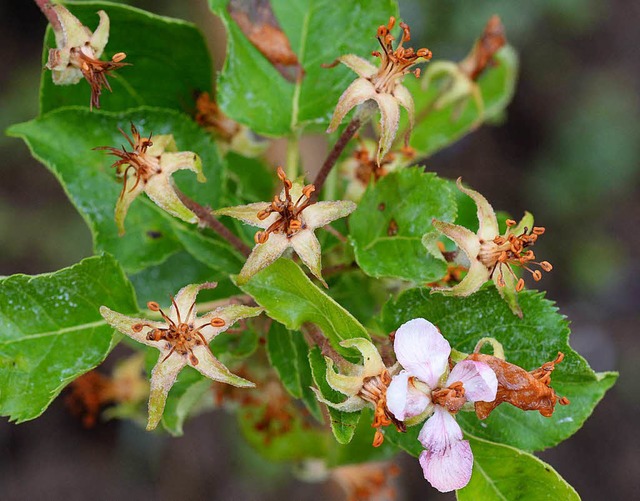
pixel 78 53
pixel 465 74
pixel 364 385
pixel 149 167
pixel 426 388
pixel 230 134
pixel 382 85
pixel 182 339
pixel 491 255
pixel 288 221
pixel 529 391
pixel 361 168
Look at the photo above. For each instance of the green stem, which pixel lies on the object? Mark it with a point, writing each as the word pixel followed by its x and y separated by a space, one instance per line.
pixel 293 155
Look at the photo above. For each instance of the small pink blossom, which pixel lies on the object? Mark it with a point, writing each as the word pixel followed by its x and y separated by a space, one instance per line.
pixel 426 388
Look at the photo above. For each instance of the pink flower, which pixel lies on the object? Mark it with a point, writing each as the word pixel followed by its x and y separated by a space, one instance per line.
pixel 427 388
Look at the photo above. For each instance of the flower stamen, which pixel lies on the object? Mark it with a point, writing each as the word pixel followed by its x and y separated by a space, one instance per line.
pixel 512 250
pixel 288 221
pixel 395 63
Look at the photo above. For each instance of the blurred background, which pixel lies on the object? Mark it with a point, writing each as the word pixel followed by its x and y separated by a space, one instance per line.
pixel 567 151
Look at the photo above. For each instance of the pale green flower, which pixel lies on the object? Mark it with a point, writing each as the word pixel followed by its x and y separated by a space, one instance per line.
pixel 491 255
pixel 289 221
pixel 182 339
pixel 149 168
pixel 382 85
pixel 78 53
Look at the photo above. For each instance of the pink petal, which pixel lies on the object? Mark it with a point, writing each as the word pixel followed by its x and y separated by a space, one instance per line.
pixel 422 350
pixel 404 400
pixel 448 461
pixel 479 381
pixel 450 470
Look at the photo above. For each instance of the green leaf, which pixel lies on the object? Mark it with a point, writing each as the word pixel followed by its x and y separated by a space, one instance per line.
pixel 169 60
pixel 248 179
pixel 361 295
pixel 393 215
pixel 501 472
pixel 164 280
pixel 343 424
pixel 51 331
pixel 290 297
pixel 319 31
pixel 289 355
pixel 527 342
pixel 63 140
pixel 440 128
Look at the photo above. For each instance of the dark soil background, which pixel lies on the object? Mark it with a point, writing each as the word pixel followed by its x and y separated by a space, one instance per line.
pixel 567 151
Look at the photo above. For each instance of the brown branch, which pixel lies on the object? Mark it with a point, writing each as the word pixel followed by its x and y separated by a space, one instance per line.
pixel 317 338
pixel 208 219
pixel 47 9
pixel 334 154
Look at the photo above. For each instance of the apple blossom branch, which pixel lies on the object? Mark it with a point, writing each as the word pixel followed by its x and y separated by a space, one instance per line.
pixel 335 153
pixel 205 217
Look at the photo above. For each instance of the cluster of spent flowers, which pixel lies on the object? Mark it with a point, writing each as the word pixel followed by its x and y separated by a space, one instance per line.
pixel 383 84
pixel 425 383
pixel 78 53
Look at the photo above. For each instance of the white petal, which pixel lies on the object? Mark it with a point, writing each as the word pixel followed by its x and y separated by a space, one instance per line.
pixel 448 461
pixel 508 289
pixel 308 248
pixel 123 203
pixel 249 214
pixel 160 189
pixel 361 66
pixel 479 381
pixel 162 143
pixel 100 36
pixel 486 217
pixel 171 162
pixel 477 275
pixel 322 213
pixel 163 376
pixel 263 255
pixel 403 399
pixel 125 324
pixel 186 299
pixel 422 350
pixel 210 366
pixel 405 99
pixel 230 314
pixel 358 92
pixel 464 238
pixel 389 121
pixel 74 33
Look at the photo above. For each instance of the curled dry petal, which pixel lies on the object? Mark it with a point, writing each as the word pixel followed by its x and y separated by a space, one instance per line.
pixel 525 390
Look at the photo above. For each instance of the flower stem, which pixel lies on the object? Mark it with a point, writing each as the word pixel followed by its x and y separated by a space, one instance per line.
pixel 205 217
pixel 293 155
pixel 47 9
pixel 334 154
pixel 317 338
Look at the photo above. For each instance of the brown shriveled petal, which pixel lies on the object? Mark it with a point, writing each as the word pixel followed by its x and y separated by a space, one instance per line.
pixel 529 391
pixel 482 55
